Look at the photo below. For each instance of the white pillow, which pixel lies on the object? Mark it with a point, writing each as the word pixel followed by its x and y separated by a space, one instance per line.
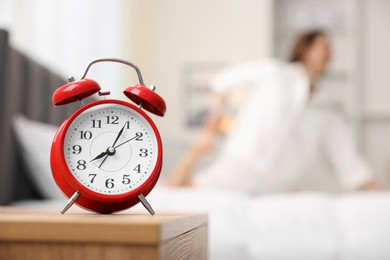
pixel 35 139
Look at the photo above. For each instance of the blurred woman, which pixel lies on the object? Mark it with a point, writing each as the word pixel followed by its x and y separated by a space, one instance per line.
pixel 283 137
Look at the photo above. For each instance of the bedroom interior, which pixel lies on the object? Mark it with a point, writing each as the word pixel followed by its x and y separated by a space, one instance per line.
pixel 180 46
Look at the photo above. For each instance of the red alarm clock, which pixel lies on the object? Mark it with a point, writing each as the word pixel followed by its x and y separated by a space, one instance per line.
pixel 107 156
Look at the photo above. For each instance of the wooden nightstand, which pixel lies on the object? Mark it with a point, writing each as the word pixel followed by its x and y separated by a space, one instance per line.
pixel 34 234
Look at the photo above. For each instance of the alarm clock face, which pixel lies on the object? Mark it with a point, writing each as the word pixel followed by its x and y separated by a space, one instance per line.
pixel 110 149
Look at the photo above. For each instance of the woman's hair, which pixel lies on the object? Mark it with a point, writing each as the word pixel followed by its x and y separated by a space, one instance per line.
pixel 302 44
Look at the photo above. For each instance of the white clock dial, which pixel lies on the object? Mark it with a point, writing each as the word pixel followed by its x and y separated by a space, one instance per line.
pixel 110 149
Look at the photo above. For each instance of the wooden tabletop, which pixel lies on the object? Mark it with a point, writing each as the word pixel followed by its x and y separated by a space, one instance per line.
pixel 42 225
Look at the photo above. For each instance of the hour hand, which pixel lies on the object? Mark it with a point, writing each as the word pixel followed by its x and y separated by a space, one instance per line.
pixel 99 156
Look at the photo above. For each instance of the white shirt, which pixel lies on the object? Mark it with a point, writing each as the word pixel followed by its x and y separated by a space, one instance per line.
pixel 280 140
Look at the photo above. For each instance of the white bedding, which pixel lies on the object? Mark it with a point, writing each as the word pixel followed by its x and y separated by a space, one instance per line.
pixel 304 225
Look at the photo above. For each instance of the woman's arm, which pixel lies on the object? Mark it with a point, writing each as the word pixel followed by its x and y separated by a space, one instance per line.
pixel 372 185
pixel 349 165
pixel 182 173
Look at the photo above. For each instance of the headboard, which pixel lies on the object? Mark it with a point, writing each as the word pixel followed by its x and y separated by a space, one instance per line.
pixel 26 88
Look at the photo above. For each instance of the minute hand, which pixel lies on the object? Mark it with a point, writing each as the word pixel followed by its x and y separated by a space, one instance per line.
pixel 119 134
pixel 125 142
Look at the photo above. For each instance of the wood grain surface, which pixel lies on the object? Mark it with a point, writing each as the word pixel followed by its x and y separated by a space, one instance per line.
pixel 37 234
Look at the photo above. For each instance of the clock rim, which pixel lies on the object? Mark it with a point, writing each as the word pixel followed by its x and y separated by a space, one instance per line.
pixel 62 169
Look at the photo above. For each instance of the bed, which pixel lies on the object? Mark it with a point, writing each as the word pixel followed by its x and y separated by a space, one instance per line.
pixel 300 225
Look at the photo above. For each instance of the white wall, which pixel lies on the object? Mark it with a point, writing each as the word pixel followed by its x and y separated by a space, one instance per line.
pixel 375 58
pixel 171 34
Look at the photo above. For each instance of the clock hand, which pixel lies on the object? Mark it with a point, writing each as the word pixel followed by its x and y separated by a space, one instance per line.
pixel 110 150
pixel 99 156
pixel 125 142
pixel 119 135
pixel 103 161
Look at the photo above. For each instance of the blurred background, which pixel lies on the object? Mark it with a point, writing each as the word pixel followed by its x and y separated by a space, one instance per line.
pixel 179 45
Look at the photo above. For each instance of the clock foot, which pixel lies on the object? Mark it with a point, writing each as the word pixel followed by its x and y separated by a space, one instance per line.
pixel 70 202
pixel 146 204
